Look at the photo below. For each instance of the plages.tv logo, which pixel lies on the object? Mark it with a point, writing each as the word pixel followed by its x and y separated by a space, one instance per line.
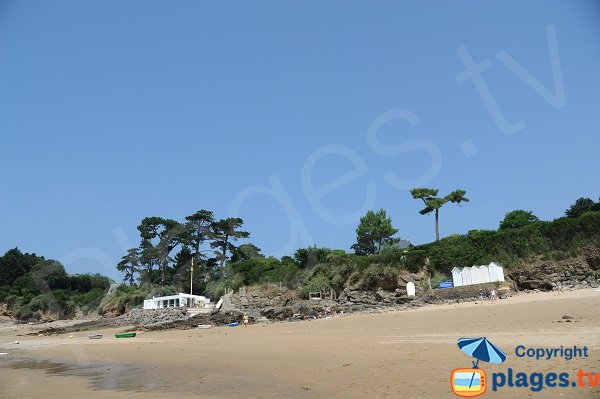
pixel 470 382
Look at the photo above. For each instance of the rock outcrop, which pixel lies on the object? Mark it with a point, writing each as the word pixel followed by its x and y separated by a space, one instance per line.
pixel 146 317
pixel 580 272
pixel 274 303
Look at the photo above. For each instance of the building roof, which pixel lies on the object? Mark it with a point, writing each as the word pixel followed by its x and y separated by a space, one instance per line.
pixel 177 296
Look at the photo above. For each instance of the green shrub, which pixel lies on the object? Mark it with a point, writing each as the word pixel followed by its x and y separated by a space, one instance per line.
pixel 378 275
pixel 438 278
pixel 26 313
pixel 215 289
pixel 311 256
pixel 316 284
pixel 126 297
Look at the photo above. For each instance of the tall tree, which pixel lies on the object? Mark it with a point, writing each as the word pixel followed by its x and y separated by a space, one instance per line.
pixel 148 260
pixel 130 264
pixel 224 233
pixel 580 206
pixel 199 230
pixel 433 203
pixel 374 230
pixel 168 233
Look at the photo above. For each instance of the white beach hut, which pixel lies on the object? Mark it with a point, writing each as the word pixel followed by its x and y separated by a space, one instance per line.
pixel 496 272
pixel 484 273
pixel 457 277
pixel 466 276
pixel 477 274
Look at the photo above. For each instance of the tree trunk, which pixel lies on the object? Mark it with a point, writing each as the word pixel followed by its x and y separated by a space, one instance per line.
pixel 224 258
pixel 198 239
pixel 149 273
pixel 437 226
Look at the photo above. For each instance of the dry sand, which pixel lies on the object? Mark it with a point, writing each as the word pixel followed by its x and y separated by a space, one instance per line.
pixel 407 354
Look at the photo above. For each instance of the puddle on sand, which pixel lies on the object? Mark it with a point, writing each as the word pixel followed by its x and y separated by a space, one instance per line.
pixel 102 376
pixel 109 376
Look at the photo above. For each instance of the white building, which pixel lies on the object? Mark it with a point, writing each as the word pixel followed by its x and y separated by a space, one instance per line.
pixel 477 274
pixel 177 301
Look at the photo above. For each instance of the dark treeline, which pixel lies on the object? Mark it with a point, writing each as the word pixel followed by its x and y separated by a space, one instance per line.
pixel 168 249
pixel 31 285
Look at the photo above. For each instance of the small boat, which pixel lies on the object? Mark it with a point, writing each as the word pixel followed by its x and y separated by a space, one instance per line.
pixel 125 335
pixel 95 336
pixel 204 326
pixel 234 324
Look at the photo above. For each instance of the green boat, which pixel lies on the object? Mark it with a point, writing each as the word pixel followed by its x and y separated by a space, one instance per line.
pixel 125 335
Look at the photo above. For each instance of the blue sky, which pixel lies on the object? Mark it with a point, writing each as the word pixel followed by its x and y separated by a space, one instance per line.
pixel 113 111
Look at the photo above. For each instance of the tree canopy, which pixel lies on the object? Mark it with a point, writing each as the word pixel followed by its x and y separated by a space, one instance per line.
pixel 373 231
pixel 31 284
pixel 518 218
pixel 580 206
pixel 434 203
pixel 167 248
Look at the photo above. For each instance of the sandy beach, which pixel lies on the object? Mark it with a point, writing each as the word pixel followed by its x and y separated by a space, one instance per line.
pixel 398 354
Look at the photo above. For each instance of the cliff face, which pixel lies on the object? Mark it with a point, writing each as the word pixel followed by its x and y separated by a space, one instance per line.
pixel 580 272
pixel 5 312
pixel 280 303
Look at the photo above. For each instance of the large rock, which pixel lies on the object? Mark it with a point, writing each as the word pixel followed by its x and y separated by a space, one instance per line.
pixel 146 317
pixel 578 272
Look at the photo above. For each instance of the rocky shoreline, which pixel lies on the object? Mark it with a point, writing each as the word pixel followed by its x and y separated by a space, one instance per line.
pixel 176 318
pixel 273 303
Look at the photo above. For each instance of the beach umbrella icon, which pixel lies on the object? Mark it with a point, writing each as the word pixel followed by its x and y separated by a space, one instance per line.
pixel 481 349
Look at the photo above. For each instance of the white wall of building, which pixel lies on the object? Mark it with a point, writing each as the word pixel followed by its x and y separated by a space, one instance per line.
pixel 149 304
pixel 177 301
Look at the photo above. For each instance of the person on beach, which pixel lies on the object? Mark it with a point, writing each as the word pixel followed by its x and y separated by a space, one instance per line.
pixel 245 320
pixel 559 288
pixel 493 295
pixel 481 294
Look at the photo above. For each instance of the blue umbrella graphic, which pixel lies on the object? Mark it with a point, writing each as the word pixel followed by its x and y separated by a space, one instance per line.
pixel 481 349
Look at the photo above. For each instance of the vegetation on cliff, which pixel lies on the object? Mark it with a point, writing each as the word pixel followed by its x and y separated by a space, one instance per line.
pixel 169 250
pixel 32 286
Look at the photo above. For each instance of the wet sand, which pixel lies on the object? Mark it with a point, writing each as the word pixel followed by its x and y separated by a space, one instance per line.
pixel 399 354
